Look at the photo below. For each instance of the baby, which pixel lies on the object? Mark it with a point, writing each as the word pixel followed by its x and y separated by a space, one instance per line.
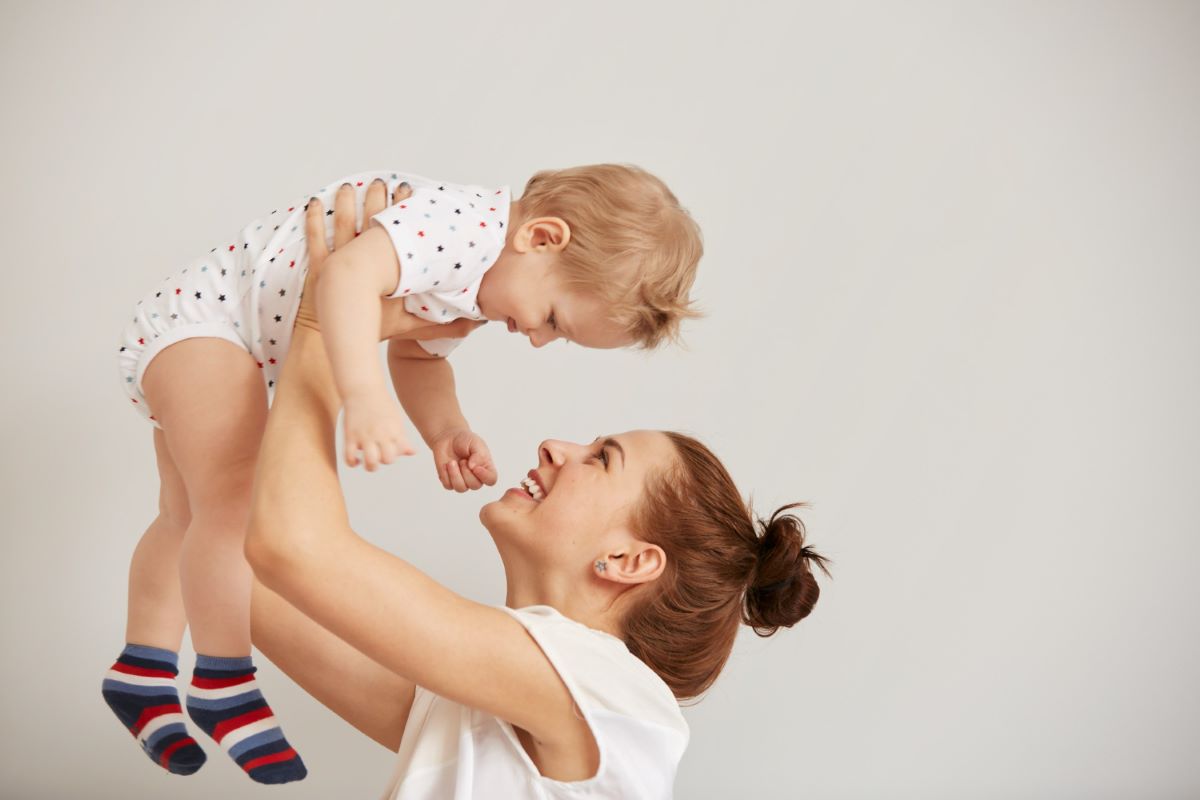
pixel 601 255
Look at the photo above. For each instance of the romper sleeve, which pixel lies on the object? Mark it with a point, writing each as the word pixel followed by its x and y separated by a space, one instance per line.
pixel 445 238
pixel 439 347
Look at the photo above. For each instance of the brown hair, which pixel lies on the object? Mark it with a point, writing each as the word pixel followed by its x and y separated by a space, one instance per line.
pixel 632 244
pixel 724 567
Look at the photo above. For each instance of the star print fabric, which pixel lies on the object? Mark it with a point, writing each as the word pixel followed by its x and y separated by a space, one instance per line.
pixel 446 237
pixel 247 289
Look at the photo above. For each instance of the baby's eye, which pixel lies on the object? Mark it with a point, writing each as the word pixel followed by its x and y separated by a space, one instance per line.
pixel 553 322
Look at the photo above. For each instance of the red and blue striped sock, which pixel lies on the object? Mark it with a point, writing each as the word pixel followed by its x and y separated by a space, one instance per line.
pixel 140 689
pixel 225 702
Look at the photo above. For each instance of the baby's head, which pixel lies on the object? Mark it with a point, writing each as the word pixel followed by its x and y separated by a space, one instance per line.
pixel 602 255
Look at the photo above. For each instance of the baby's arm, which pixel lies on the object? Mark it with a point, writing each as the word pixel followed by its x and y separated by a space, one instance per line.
pixel 425 386
pixel 355 277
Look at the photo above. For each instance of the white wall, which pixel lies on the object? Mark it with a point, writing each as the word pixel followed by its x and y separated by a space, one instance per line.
pixel 951 281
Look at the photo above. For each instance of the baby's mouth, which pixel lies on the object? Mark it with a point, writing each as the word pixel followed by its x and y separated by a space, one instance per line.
pixel 512 325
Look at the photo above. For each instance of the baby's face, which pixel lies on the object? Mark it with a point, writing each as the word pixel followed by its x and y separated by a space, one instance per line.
pixel 526 291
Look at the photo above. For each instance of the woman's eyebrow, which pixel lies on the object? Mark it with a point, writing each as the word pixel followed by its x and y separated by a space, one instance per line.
pixel 614 444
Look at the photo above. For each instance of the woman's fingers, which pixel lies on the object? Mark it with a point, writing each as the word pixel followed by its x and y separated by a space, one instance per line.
pixel 398 323
pixel 402 192
pixel 375 201
pixel 343 216
pixel 314 230
pixel 318 251
pixel 395 322
pixel 454 330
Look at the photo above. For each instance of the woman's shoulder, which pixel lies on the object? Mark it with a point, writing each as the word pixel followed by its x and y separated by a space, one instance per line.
pixel 599 671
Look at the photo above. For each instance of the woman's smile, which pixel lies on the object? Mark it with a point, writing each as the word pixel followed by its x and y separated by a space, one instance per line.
pixel 531 487
pixel 522 492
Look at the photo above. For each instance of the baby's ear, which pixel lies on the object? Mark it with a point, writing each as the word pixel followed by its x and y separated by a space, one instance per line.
pixel 552 233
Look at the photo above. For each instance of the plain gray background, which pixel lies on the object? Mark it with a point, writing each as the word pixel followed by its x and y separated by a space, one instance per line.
pixel 951 281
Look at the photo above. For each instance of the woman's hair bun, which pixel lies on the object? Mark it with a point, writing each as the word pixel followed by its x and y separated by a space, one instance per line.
pixel 782 589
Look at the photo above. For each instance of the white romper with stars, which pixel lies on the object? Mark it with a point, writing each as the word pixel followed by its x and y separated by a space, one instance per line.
pixel 247 290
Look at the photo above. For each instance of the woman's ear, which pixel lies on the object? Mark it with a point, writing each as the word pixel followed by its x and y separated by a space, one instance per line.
pixel 542 235
pixel 640 562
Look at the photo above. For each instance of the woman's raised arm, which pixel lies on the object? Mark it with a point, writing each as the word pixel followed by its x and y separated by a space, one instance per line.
pixel 370 697
pixel 302 548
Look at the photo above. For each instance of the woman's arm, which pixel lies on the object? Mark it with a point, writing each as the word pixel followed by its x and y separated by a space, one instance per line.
pixel 370 697
pixel 302 547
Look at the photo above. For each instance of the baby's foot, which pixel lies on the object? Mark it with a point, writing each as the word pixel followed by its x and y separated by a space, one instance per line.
pixel 140 689
pixel 225 702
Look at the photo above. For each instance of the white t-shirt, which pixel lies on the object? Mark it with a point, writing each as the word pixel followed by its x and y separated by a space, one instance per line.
pixel 446 237
pixel 452 752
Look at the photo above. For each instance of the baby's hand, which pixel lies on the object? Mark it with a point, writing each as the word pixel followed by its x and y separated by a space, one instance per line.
pixel 374 428
pixel 463 460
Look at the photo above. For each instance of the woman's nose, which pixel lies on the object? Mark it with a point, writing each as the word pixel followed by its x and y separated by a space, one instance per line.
pixel 551 451
pixel 558 452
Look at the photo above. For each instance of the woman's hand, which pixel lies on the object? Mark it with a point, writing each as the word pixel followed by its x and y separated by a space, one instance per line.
pixel 395 322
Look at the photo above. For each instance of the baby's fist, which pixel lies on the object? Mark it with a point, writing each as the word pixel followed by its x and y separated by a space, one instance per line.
pixel 463 460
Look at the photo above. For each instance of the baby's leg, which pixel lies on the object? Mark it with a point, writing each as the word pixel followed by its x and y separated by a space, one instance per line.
pixel 156 617
pixel 209 397
pixel 140 685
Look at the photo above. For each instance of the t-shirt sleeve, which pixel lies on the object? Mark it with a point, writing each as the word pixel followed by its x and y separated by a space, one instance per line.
pixel 445 239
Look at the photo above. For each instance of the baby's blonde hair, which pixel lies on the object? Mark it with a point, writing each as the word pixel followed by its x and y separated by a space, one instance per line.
pixel 632 244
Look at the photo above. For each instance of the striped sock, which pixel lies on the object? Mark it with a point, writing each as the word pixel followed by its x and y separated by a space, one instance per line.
pixel 140 689
pixel 225 702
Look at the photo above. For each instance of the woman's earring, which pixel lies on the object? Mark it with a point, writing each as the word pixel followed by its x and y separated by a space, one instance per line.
pixel 601 565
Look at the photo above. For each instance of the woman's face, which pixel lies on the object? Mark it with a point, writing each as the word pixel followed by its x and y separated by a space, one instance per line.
pixel 575 504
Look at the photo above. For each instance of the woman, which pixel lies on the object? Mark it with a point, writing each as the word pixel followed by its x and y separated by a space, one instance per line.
pixel 630 563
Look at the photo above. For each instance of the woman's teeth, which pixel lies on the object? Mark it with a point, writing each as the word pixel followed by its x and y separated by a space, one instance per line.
pixel 535 491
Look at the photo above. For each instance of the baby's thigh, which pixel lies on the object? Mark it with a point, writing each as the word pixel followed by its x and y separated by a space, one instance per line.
pixel 208 395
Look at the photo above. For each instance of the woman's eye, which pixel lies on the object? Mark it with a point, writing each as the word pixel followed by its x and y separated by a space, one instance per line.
pixel 602 456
